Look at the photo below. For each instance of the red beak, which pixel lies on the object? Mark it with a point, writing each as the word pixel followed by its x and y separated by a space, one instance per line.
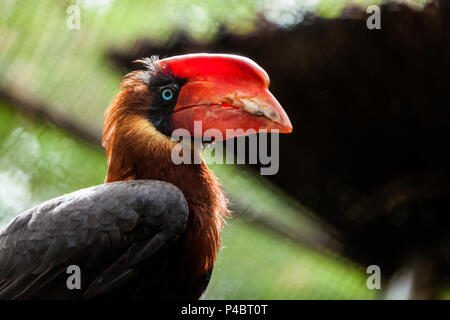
pixel 226 93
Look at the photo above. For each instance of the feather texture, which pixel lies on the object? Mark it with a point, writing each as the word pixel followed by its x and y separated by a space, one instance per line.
pixel 110 231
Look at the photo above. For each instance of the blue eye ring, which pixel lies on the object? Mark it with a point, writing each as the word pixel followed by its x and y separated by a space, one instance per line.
pixel 167 94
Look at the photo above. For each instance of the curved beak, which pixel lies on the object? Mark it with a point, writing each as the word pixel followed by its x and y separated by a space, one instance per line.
pixel 227 94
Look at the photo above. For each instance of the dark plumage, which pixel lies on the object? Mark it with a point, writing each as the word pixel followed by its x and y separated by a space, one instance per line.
pixel 111 231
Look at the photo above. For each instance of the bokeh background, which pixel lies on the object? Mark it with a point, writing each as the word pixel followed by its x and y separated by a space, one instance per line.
pixel 364 177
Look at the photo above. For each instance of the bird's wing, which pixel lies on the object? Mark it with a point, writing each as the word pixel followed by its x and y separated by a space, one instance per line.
pixel 106 230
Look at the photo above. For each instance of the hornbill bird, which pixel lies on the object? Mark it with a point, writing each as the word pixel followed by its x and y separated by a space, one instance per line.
pixel 153 229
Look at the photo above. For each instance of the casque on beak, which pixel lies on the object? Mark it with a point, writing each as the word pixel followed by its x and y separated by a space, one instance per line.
pixel 225 92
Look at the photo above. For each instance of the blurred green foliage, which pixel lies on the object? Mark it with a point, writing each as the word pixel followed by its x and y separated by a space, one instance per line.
pixel 40 161
pixel 259 265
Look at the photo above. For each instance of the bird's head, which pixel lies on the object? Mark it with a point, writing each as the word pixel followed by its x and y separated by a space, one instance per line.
pixel 222 91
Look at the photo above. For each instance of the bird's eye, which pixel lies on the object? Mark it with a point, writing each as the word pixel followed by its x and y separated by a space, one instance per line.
pixel 167 94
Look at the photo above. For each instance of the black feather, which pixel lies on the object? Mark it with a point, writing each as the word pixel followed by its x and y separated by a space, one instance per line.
pixel 123 236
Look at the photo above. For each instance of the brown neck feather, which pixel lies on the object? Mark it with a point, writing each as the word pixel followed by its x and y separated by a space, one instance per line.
pixel 136 150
